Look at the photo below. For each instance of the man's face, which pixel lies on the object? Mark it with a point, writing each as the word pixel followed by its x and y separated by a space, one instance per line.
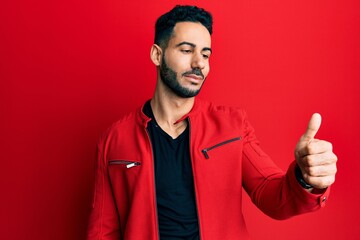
pixel 185 62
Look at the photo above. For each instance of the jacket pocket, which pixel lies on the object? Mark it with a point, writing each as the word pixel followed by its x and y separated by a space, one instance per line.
pixel 221 144
pixel 125 163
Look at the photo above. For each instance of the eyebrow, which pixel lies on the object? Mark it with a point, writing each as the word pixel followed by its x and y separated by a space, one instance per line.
pixel 193 45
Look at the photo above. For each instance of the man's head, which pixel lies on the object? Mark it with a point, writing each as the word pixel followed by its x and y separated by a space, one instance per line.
pixel 164 27
pixel 182 49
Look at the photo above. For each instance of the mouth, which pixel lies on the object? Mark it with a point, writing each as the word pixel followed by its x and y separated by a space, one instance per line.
pixel 194 77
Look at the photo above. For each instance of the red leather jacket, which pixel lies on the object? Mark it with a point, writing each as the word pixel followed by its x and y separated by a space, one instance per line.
pixel 225 158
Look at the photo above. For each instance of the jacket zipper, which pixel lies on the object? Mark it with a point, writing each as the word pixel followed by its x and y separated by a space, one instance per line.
pixel 128 164
pixel 206 150
pixel 195 188
pixel 153 164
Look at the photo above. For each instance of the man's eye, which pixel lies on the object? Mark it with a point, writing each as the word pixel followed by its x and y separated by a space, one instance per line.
pixel 206 56
pixel 186 51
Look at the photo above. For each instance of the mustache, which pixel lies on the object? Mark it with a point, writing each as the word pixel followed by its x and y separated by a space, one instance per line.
pixel 196 71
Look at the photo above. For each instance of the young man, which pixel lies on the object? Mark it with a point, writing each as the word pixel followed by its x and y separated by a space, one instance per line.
pixel 175 168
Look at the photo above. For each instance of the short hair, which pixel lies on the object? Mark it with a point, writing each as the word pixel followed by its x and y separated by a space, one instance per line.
pixel 165 24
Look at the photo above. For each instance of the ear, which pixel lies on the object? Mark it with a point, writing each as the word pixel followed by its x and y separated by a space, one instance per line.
pixel 156 54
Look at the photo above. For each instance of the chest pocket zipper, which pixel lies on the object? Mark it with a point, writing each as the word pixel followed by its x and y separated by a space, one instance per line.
pixel 206 150
pixel 128 164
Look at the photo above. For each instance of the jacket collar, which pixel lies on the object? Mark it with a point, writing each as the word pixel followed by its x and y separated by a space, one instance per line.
pixel 144 119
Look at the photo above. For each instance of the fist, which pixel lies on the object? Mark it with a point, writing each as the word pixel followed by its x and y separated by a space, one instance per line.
pixel 315 157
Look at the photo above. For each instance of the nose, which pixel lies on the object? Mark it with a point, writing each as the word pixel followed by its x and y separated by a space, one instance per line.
pixel 198 61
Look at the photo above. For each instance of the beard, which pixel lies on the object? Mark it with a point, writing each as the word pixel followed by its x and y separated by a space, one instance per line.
pixel 169 78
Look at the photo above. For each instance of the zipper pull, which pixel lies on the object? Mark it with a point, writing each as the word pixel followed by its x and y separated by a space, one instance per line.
pixel 130 165
pixel 205 152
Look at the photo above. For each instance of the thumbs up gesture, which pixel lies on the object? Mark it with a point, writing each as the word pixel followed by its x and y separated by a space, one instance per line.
pixel 315 157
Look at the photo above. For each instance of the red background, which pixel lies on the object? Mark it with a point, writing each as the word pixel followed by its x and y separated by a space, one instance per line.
pixel 68 69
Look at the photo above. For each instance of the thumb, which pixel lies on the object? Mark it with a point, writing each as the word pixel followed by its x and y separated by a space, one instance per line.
pixel 313 127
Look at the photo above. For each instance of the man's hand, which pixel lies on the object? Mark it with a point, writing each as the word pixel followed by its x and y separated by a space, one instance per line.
pixel 315 157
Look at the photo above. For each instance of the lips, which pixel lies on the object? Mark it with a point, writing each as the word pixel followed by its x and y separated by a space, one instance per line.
pixel 194 76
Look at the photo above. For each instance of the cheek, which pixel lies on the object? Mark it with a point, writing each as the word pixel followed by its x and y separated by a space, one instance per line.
pixel 178 66
pixel 206 70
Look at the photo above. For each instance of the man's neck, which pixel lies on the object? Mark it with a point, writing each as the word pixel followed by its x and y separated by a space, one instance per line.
pixel 168 110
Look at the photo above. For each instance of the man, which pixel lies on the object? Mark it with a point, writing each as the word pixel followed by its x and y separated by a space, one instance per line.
pixel 175 168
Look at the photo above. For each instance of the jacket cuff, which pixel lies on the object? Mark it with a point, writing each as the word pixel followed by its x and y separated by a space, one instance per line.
pixel 317 197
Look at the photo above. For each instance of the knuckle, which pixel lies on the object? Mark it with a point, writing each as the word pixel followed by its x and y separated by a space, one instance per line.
pixel 312 171
pixel 307 178
pixel 323 182
pixel 335 157
pixel 330 180
pixel 310 148
pixel 330 158
pixel 327 181
pixel 310 160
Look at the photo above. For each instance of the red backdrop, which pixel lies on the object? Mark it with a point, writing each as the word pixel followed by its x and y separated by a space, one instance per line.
pixel 68 69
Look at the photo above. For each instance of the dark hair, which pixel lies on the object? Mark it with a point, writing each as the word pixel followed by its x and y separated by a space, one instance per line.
pixel 165 24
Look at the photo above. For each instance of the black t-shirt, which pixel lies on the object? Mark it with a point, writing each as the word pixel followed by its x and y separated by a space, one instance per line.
pixel 177 213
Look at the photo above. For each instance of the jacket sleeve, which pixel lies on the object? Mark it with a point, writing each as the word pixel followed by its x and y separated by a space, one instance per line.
pixel 276 193
pixel 104 220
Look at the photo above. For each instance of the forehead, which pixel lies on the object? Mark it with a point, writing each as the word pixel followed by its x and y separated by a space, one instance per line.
pixel 191 32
